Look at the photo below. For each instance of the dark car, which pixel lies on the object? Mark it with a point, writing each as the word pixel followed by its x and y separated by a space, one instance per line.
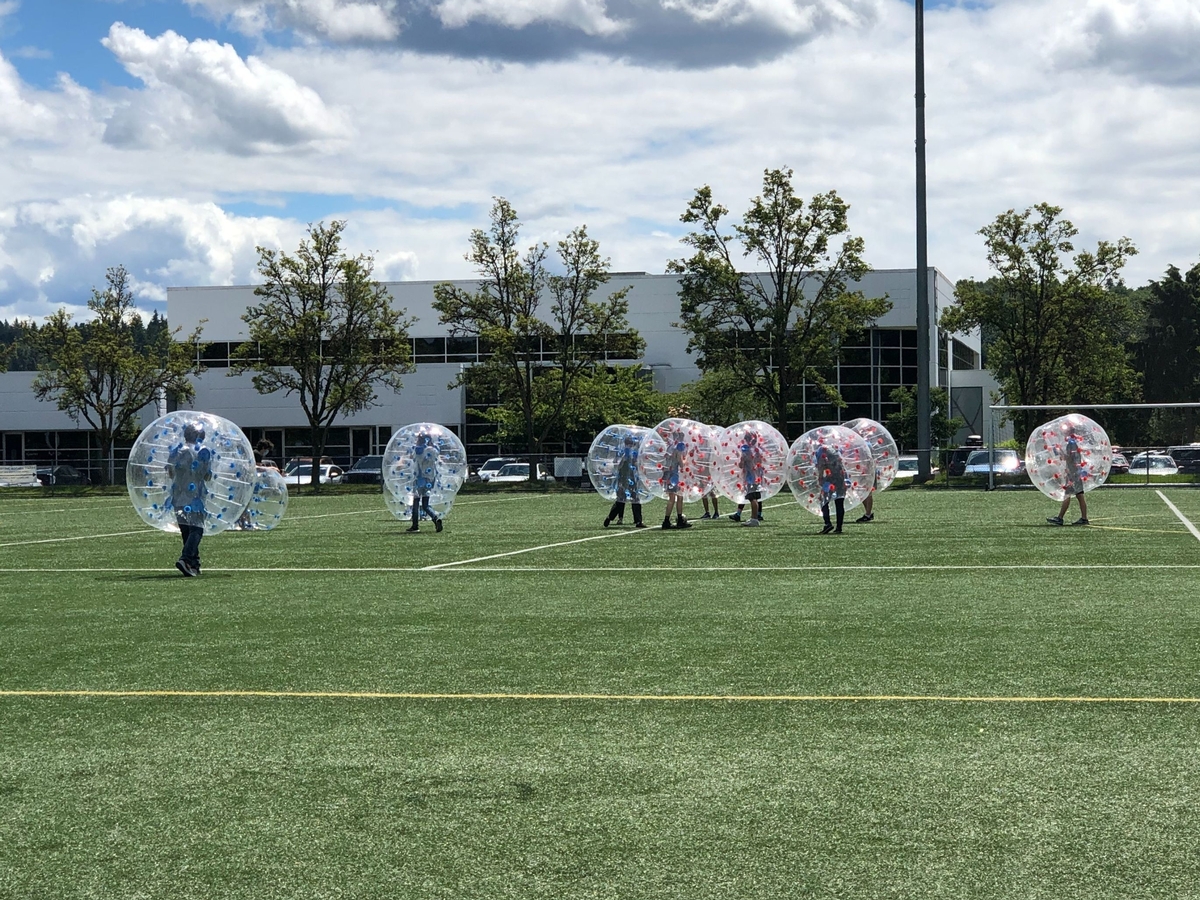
pixel 1187 457
pixel 367 470
pixel 1120 465
pixel 51 475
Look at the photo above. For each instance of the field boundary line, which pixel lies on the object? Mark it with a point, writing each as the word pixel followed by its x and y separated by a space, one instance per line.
pixel 85 537
pixel 567 696
pixel 465 562
pixel 1182 518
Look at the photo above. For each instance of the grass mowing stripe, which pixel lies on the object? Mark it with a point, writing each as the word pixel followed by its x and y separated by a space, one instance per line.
pixel 1181 516
pixel 597 537
pixel 635 698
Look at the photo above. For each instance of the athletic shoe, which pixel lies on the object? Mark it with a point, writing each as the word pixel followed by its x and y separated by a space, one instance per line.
pixel 639 524
pixel 1054 520
pixel 437 525
pixel 827 529
pixel 837 531
pixel 606 521
pixel 865 517
pixel 706 516
pixel 184 568
pixel 412 529
pixel 666 523
pixel 620 520
pixel 750 522
pixel 735 517
pixel 1081 521
pixel 681 522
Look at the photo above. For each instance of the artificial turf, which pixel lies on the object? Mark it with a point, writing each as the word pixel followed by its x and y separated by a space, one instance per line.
pixel 948 594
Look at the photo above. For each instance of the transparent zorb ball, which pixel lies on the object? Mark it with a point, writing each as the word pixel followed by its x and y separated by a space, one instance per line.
pixel 1068 456
pixel 191 467
pixel 750 456
pixel 829 462
pixel 268 501
pixel 423 459
pixel 883 450
pixel 612 463
pixel 676 458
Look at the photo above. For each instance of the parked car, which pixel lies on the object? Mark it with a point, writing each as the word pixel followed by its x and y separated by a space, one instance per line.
pixel 297 461
pixel 1004 462
pixel 302 474
pixel 1187 458
pixel 1120 465
pixel 1154 464
pixel 959 455
pixel 494 465
pixel 367 470
pixel 519 471
pixel 51 475
pixel 906 467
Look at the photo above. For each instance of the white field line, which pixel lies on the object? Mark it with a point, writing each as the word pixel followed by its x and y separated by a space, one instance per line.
pixel 465 562
pixel 581 696
pixel 383 510
pixel 1182 518
pixel 84 537
pixel 518 570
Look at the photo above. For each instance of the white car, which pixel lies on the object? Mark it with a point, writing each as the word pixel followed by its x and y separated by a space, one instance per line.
pixel 1153 464
pixel 907 466
pixel 515 472
pixel 493 466
pixel 303 475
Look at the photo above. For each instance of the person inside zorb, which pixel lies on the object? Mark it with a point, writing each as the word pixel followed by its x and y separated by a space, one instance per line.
pixel 832 476
pixel 1073 478
pixel 190 466
pixel 627 489
pixel 425 456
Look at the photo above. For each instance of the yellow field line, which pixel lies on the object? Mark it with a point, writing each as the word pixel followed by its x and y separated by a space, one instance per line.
pixel 638 698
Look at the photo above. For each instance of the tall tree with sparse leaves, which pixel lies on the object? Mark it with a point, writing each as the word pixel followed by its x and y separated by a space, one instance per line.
pixel 324 331
pixel 536 364
pixel 779 322
pixel 1057 333
pixel 107 369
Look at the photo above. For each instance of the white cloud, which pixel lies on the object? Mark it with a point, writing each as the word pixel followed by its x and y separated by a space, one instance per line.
pixel 336 20
pixel 202 91
pixel 1152 39
pixel 589 16
pixel 20 117
pixel 793 17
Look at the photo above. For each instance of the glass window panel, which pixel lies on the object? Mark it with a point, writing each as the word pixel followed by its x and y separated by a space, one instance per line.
pixel 856 393
pixel 461 349
pixel 857 411
pixel 431 349
pixel 910 375
pixel 889 356
pixel 889 375
pixel 856 356
pixel 908 337
pixel 887 337
pixel 856 374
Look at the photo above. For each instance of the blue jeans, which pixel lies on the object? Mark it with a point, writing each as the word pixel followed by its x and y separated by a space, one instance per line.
pixel 191 535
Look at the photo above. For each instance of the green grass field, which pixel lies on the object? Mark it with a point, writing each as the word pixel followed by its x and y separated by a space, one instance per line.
pixel 957 701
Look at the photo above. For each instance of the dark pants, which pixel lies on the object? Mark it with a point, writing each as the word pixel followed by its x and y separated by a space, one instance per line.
pixel 840 505
pixel 422 503
pixel 618 512
pixel 191 535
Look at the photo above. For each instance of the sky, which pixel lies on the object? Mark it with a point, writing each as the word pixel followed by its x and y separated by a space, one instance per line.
pixel 174 137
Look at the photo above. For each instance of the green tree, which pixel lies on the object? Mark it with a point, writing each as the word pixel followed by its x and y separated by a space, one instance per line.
pixel 777 327
pixel 720 397
pixel 1056 331
pixel 1169 351
pixel 903 423
pixel 105 371
pixel 324 331
pixel 536 366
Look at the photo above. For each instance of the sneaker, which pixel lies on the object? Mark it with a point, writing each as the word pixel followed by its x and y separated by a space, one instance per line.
pixel 184 568
pixel 606 521
pixel 437 525
pixel 827 529
pixel 666 523
pixel 837 531
pixel 706 516
pixel 639 524
pixel 681 522
pixel 750 522
pixel 412 529
pixel 1054 520
pixel 865 517
pixel 1081 521
pixel 735 517
pixel 620 521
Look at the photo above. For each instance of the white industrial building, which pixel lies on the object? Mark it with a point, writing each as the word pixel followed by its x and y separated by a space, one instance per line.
pixel 35 432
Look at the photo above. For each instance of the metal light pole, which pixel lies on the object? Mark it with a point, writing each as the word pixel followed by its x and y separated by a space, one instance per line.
pixel 924 361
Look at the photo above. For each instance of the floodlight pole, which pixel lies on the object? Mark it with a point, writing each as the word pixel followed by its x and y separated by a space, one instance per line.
pixel 924 357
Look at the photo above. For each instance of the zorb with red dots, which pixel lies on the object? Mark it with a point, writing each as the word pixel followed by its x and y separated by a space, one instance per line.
pixel 612 463
pixel 1068 456
pixel 423 459
pixel 883 449
pixel 676 458
pixel 191 466
pixel 828 462
pixel 750 456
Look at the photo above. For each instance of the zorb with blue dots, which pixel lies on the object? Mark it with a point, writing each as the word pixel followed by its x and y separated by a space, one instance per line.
pixel 423 459
pixel 268 501
pixel 883 450
pixel 612 463
pixel 193 467
pixel 1068 456
pixel 750 456
pixel 828 462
